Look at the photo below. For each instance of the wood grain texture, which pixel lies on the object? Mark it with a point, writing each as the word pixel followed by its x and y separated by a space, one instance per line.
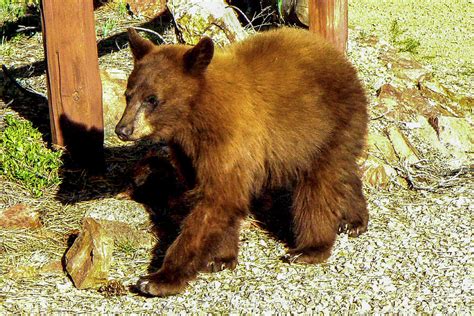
pixel 329 18
pixel 74 86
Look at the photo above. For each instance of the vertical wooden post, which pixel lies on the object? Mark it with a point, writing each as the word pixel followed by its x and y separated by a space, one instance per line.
pixel 329 18
pixel 74 86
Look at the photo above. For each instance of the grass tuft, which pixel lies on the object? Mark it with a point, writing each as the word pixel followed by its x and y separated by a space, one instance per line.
pixel 24 157
pixel 407 44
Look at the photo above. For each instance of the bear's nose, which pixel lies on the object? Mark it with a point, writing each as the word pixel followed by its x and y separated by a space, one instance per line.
pixel 123 132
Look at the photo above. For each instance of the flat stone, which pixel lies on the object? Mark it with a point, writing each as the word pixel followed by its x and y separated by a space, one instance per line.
pixel 379 145
pixel 402 146
pixel 378 174
pixel 405 68
pixel 458 137
pixel 20 216
pixel 89 258
pixel 452 103
pixel 404 104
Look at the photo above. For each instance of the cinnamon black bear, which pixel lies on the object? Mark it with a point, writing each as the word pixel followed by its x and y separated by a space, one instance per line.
pixel 280 109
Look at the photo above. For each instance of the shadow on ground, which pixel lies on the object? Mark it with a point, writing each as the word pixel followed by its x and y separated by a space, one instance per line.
pixel 141 171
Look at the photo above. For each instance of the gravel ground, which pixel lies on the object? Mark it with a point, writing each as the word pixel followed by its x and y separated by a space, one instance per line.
pixel 417 256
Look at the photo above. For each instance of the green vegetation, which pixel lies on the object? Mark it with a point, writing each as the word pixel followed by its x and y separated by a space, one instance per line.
pixel 108 27
pixel 407 44
pixel 122 8
pixel 24 158
pixel 13 9
pixel 128 247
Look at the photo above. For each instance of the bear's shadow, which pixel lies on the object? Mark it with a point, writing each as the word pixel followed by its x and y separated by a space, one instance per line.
pixel 156 185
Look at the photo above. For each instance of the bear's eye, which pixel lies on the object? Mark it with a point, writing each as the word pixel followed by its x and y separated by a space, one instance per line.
pixel 152 100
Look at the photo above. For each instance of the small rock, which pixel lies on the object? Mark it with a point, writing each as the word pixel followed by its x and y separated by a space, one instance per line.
pixel 89 258
pixel 20 216
pixel 113 288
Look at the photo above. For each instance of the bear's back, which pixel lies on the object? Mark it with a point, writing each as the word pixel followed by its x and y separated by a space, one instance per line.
pixel 282 97
pixel 302 91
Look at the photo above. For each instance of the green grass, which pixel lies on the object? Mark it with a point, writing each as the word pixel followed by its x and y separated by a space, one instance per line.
pixel 108 27
pixel 398 38
pixel 24 157
pixel 13 9
pixel 122 8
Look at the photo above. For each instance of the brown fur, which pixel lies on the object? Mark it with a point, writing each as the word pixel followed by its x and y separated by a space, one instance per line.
pixel 283 108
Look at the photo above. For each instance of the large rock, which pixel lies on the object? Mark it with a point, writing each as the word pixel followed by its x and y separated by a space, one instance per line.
pixel 404 104
pixel 114 83
pixel 89 258
pixel 195 18
pixel 424 124
pixel 458 137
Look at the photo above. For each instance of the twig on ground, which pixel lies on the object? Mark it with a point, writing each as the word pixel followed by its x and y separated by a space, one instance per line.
pixel 249 23
pixel 152 32
pixel 20 86
pixel 380 116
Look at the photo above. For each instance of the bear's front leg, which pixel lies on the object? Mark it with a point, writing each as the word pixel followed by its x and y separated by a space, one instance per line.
pixel 203 232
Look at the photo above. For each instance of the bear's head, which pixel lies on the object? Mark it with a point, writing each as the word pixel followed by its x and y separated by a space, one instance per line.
pixel 165 83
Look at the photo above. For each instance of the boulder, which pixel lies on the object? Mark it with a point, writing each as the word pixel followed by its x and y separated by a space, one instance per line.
pixel 114 83
pixel 213 18
pixel 89 258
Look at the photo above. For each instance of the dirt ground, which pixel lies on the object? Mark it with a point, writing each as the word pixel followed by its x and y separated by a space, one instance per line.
pixel 417 256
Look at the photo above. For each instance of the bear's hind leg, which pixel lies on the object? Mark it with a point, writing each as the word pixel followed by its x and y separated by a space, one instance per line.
pixel 355 215
pixel 316 217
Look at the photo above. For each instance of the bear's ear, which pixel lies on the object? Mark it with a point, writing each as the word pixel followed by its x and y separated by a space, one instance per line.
pixel 139 46
pixel 199 57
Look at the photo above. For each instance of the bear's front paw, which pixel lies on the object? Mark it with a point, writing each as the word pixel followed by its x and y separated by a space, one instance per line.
pixel 308 255
pixel 219 264
pixel 160 284
pixel 352 229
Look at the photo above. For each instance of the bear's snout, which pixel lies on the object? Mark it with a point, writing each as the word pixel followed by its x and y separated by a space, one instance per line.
pixel 124 132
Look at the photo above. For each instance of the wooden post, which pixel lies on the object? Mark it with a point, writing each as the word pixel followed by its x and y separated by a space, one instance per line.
pixel 329 18
pixel 74 86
